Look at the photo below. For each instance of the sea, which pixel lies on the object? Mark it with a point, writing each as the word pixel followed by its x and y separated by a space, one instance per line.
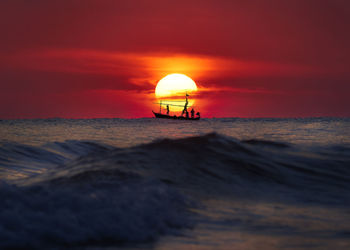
pixel 219 183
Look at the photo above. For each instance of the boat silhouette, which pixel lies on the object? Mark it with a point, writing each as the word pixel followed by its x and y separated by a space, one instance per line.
pixel 184 115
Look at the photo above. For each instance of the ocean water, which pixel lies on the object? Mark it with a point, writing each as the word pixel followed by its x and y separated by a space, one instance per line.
pixel 225 183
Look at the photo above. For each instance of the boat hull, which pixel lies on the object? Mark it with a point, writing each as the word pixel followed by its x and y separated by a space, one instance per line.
pixel 159 115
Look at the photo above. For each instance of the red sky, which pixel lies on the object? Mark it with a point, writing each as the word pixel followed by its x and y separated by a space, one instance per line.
pixel 86 59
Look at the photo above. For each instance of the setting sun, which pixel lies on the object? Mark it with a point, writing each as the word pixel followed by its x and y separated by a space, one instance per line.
pixel 175 85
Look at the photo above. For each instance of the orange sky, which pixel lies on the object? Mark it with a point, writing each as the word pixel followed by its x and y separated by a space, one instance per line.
pixel 103 58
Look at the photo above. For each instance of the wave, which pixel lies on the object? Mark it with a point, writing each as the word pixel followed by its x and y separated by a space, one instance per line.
pixel 95 193
pixel 20 160
pixel 87 214
pixel 211 157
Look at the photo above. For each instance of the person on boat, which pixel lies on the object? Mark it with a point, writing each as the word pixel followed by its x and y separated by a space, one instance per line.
pixel 167 109
pixel 187 116
pixel 192 113
pixel 185 108
pixel 198 115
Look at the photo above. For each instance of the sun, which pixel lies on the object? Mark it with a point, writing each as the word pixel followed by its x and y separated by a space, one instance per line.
pixel 175 85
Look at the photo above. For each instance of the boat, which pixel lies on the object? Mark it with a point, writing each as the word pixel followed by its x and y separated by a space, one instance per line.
pixel 184 115
pixel 160 115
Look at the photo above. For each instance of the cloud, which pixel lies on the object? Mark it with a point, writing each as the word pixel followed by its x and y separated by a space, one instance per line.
pixel 141 70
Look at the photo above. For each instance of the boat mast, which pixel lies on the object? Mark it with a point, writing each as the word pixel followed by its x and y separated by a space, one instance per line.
pixel 160 106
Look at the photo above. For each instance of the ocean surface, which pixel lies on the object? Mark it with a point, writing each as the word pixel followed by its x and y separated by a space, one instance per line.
pixel 148 183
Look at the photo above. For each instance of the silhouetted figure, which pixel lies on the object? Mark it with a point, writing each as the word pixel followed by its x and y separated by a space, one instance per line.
pixel 167 109
pixel 198 115
pixel 185 108
pixel 192 113
pixel 186 113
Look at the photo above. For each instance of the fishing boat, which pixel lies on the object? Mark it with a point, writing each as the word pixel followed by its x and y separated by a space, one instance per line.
pixel 184 115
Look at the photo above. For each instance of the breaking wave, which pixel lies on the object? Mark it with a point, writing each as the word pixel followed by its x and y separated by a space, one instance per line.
pixel 82 192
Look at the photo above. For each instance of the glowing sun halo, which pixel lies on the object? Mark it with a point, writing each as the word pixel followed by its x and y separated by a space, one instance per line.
pixel 175 85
